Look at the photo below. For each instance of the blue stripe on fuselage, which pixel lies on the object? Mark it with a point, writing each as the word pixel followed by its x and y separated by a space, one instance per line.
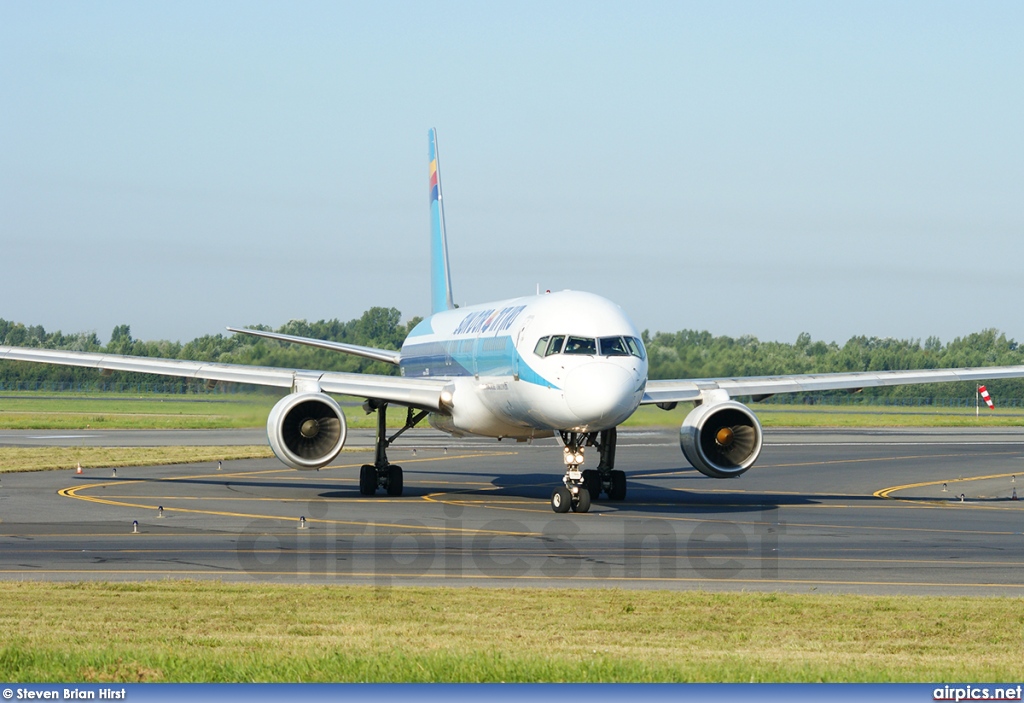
pixel 494 356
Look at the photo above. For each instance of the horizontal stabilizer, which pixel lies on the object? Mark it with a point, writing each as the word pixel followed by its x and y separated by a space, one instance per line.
pixel 389 356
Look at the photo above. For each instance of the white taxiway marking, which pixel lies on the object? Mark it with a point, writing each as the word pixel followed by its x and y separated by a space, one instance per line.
pixel 62 436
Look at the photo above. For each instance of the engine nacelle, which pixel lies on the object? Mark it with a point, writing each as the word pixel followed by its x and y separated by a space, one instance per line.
pixel 306 430
pixel 722 439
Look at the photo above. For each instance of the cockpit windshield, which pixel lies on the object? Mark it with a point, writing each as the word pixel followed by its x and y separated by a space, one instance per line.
pixel 609 346
pixel 613 346
pixel 580 345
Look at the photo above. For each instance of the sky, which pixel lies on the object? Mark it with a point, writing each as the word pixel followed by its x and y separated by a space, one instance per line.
pixel 747 168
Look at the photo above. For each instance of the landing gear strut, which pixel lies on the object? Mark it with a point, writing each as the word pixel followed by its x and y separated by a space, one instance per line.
pixel 381 473
pixel 581 487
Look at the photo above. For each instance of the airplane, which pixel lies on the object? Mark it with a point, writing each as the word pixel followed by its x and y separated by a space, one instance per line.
pixel 569 364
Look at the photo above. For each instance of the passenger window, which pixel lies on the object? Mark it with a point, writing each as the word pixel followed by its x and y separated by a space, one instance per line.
pixel 555 346
pixel 580 345
pixel 613 346
pixel 542 346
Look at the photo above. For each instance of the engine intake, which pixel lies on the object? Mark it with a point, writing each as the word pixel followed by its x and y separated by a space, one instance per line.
pixel 721 440
pixel 306 430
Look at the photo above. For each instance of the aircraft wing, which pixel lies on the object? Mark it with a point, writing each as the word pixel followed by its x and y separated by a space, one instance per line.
pixel 416 392
pixel 683 390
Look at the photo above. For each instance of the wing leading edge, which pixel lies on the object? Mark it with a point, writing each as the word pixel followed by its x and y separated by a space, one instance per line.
pixel 684 390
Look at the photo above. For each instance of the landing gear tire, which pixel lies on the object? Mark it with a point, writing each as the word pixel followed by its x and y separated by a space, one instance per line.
pixel 582 504
pixel 368 480
pixel 561 500
pixel 592 482
pixel 618 487
pixel 394 480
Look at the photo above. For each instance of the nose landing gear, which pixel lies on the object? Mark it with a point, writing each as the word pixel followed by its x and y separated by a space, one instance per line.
pixel 574 494
pixel 581 487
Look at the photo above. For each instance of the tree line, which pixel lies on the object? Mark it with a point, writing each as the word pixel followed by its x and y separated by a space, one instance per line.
pixel 692 354
pixel 684 354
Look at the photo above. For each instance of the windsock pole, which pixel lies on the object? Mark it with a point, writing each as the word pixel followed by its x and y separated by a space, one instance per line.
pixel 984 394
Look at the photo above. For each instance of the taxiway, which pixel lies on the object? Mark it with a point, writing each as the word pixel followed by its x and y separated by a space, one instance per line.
pixel 859 510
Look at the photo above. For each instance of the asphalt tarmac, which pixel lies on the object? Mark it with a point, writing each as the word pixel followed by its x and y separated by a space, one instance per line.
pixel 847 511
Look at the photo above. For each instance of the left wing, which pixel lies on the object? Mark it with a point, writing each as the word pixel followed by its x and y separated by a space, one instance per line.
pixel 683 390
pixel 414 392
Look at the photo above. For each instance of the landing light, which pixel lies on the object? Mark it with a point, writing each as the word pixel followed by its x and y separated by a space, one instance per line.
pixel 572 458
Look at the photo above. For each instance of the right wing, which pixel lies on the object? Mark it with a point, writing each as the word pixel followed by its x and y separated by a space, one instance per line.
pixel 415 392
pixel 683 390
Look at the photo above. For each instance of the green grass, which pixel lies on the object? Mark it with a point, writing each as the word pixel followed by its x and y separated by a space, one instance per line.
pixel 34 411
pixel 67 458
pixel 40 411
pixel 772 415
pixel 208 631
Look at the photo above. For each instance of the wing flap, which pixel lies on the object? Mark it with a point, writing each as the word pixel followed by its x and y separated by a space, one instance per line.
pixel 415 392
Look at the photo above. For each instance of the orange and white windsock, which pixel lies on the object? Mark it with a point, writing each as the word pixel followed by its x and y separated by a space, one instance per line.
pixel 986 397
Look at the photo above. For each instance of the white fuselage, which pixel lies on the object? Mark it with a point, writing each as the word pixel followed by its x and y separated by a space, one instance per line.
pixel 528 367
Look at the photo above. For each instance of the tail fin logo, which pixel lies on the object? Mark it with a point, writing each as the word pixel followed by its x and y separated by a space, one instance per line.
pixel 440 278
pixel 433 180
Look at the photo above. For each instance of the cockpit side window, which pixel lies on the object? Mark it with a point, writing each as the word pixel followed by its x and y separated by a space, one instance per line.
pixel 542 346
pixel 636 347
pixel 555 347
pixel 581 345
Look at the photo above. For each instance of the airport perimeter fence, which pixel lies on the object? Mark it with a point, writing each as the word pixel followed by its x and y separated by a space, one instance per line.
pixel 886 401
pixel 192 387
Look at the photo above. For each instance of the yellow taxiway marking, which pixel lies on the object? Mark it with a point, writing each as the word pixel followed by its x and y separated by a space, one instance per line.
pixel 75 492
pixel 829 462
pixel 887 492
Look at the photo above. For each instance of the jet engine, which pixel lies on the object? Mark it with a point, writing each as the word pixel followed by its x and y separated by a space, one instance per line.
pixel 306 430
pixel 721 440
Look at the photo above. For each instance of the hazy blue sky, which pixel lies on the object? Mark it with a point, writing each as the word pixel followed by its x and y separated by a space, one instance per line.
pixel 746 168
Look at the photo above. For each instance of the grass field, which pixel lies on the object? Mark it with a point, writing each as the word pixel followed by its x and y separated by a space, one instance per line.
pixel 772 415
pixel 34 411
pixel 113 411
pixel 14 459
pixel 202 631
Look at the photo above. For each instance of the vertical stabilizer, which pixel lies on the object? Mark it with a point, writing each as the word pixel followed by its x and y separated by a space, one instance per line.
pixel 440 277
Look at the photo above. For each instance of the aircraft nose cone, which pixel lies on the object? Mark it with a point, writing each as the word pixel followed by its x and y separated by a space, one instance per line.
pixel 601 393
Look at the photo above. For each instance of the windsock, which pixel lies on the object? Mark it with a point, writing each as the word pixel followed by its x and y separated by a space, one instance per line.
pixel 986 397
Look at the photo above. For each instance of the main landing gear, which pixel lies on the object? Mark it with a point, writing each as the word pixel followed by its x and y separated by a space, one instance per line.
pixel 381 473
pixel 581 487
